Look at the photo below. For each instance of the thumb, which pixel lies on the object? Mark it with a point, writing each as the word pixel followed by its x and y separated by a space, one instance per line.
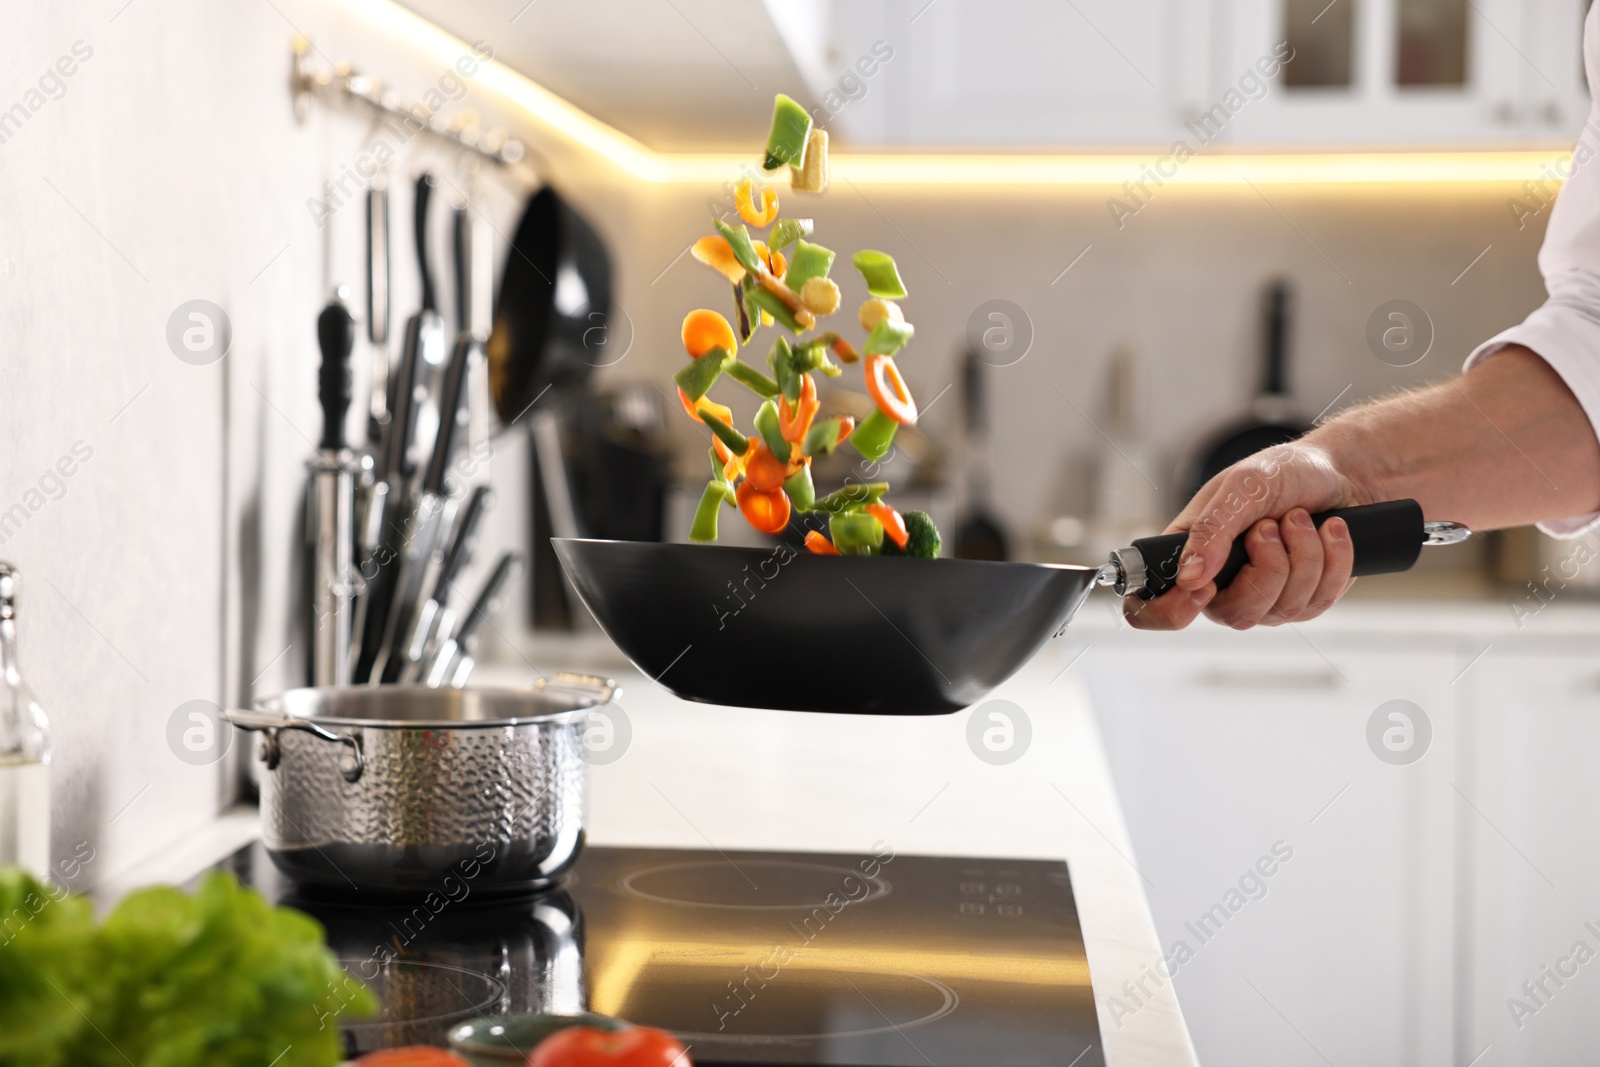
pixel 1238 502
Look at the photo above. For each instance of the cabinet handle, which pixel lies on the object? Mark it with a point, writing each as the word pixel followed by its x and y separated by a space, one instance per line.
pixel 1257 678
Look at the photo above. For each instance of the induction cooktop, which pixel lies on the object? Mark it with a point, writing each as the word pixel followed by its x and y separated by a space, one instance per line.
pixel 875 960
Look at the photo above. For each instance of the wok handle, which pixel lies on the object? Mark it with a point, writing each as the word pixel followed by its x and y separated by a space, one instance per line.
pixel 270 723
pixel 1387 539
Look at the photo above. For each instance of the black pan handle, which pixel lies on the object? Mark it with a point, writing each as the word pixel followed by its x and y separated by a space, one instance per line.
pixel 1387 538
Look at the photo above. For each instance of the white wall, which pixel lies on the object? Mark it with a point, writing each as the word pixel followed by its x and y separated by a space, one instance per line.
pixel 1179 284
pixel 172 169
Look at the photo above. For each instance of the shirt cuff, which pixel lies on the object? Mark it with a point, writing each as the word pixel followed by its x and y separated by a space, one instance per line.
pixel 1568 339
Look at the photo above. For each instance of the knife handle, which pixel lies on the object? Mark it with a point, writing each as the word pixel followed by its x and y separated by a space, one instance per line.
pixel 336 336
pixel 452 410
pixel 1387 539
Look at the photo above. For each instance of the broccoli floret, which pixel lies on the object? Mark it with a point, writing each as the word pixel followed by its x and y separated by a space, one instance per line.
pixel 922 537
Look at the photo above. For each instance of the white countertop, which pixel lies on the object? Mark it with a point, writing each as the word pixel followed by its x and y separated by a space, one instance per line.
pixel 698 776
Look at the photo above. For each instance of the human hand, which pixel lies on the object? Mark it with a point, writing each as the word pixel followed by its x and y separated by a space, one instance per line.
pixel 1296 571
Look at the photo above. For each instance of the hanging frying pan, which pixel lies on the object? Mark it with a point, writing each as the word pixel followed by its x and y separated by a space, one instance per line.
pixel 555 292
pixel 1272 418
pixel 765 628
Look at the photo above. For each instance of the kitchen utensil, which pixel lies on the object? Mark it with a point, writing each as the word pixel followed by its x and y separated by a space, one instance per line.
pixel 378 305
pixel 435 349
pixel 554 309
pixel 453 664
pixel 883 635
pixel 332 511
pixel 436 621
pixel 385 533
pixel 418 559
pixel 24 752
pixel 1272 418
pixel 387 790
pixel 978 536
pixel 494 1041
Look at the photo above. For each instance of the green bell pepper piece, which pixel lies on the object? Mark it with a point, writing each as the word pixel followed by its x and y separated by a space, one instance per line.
pixel 781 359
pixel 883 279
pixel 739 240
pixel 736 441
pixel 746 375
pixel 809 261
pixel 698 375
pixel 747 317
pixel 855 533
pixel 813 355
pixel 821 438
pixel 791 128
pixel 851 497
pixel 764 299
pixel 802 493
pixel 767 427
pixel 887 338
pixel 704 527
pixel 873 437
pixel 786 232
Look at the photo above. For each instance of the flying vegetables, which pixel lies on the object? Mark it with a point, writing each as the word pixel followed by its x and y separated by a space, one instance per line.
pixel 783 281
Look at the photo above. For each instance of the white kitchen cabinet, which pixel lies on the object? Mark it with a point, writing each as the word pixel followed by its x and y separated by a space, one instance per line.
pixel 1120 73
pixel 1530 855
pixel 1038 73
pixel 1523 77
pixel 1225 745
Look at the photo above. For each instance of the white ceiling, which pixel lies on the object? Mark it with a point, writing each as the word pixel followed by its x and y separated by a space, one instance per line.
pixel 676 74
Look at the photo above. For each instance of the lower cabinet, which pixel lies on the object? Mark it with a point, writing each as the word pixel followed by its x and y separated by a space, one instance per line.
pixel 1530 860
pixel 1293 800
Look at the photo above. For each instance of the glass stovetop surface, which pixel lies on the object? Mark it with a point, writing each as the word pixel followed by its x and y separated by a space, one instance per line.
pixel 876 960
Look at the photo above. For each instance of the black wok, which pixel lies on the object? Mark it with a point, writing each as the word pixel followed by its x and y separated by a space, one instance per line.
pixel 783 629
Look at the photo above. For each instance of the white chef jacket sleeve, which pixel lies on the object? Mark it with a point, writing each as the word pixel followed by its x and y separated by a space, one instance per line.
pixel 1565 331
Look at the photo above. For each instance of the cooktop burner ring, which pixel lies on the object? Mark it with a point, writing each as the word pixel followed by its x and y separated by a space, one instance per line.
pixel 878 887
pixel 950 1001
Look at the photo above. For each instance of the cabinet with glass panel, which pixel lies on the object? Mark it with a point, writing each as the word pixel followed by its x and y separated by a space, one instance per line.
pixel 1404 73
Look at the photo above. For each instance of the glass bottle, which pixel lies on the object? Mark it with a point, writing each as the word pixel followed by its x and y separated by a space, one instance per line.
pixel 24 751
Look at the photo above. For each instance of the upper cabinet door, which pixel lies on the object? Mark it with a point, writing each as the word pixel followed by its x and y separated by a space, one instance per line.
pixel 1408 73
pixel 1023 73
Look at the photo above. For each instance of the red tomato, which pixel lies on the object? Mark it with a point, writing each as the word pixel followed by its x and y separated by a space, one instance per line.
pixel 412 1056
pixel 584 1046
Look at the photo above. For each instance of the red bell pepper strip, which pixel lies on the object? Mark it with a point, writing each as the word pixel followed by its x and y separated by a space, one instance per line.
pixel 893 525
pixel 818 543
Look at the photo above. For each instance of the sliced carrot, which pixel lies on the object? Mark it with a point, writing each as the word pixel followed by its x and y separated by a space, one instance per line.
pixel 794 422
pixel 888 390
pixel 893 525
pixel 704 329
pixel 819 544
pixel 715 252
pixel 764 470
pixel 743 199
pixel 847 426
pixel 766 511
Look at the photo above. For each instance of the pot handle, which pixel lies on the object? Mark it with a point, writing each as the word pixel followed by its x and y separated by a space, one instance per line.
pixel 269 724
pixel 601 690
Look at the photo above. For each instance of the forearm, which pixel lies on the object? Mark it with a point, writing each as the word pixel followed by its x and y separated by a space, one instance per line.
pixel 1505 444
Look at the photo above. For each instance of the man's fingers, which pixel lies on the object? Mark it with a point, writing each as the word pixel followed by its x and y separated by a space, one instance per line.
pixel 1304 545
pixel 1338 556
pixel 1238 502
pixel 1172 610
pixel 1256 588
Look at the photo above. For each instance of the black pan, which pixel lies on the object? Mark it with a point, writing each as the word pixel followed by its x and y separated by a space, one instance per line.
pixel 776 628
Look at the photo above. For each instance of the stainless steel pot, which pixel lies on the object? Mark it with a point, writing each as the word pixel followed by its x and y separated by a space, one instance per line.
pixel 406 790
